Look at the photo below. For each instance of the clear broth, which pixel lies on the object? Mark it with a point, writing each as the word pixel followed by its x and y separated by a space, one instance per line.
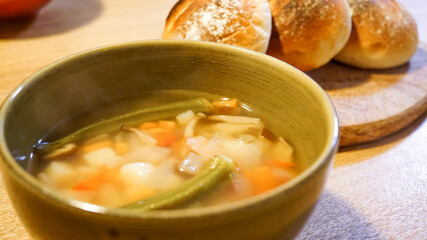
pixel 110 194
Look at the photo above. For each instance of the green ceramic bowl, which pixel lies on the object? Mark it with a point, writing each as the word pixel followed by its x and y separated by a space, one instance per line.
pixel 292 105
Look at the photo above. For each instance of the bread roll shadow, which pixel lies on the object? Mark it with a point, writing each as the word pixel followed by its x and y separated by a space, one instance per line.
pixel 335 75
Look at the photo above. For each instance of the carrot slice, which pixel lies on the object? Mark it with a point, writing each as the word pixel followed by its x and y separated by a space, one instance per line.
pixel 84 187
pixel 167 124
pixel 166 139
pixel 121 148
pixel 106 175
pixel 262 179
pixel 148 125
pixel 232 103
pixel 283 164
pixel 227 107
pixel 95 146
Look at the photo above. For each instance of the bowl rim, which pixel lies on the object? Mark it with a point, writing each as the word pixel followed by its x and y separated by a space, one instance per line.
pixel 31 183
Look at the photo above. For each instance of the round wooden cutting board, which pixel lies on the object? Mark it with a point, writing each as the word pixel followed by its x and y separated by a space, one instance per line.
pixel 371 104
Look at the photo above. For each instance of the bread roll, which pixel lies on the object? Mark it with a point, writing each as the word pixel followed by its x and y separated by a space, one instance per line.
pixel 244 23
pixel 309 32
pixel 384 35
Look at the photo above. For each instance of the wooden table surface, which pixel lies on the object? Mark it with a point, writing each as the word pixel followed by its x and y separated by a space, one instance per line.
pixel 374 191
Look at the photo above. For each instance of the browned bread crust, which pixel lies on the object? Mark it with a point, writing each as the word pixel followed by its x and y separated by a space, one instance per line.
pixel 244 23
pixel 384 35
pixel 309 33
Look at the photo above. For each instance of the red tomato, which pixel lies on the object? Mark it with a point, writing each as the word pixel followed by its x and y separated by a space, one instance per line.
pixel 18 8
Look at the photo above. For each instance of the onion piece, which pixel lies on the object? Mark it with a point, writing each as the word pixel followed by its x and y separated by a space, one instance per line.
pixel 145 139
pixel 104 157
pixel 235 119
pixel 281 151
pixel 283 174
pixel 247 156
pixel 185 117
pixel 59 174
pixel 192 164
pixel 137 173
pixel 190 127
pixel 233 130
pixel 197 144
pixel 242 186
pixel 152 154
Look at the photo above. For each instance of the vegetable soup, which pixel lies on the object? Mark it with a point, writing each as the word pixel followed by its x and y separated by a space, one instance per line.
pixel 189 153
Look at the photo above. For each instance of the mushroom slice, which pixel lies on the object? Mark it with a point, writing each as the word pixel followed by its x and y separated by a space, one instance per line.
pixel 64 151
pixel 146 139
pixel 235 119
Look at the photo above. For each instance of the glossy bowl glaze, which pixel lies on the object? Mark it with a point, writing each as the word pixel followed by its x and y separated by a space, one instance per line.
pixel 292 104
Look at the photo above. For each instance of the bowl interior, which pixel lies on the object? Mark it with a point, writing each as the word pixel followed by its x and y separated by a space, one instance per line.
pixel 291 103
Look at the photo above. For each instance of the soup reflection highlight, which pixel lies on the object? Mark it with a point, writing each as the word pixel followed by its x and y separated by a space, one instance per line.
pixel 190 153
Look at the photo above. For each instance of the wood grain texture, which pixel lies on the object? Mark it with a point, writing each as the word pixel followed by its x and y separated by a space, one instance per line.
pixel 10 227
pixel 371 104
